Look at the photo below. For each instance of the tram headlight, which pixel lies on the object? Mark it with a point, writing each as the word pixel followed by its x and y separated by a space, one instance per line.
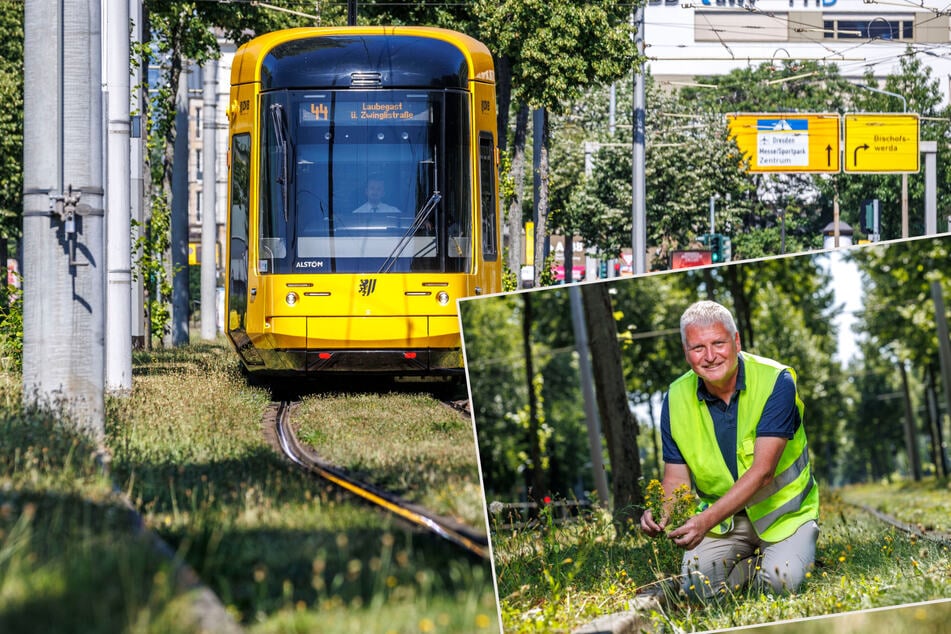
pixel 291 298
pixel 442 297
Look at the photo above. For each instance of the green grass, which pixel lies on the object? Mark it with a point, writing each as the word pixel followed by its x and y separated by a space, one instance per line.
pixel 926 503
pixel 407 443
pixel 68 551
pixel 283 554
pixel 555 579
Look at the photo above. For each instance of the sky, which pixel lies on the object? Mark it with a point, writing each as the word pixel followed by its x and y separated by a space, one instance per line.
pixel 847 285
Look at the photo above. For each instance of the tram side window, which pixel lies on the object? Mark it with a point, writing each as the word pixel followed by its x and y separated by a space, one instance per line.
pixel 490 250
pixel 276 183
pixel 238 234
pixel 457 176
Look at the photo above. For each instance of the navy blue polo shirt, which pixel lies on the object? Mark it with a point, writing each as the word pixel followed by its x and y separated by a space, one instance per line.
pixel 780 417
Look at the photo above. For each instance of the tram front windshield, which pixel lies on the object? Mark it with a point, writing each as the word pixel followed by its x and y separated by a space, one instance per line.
pixel 364 182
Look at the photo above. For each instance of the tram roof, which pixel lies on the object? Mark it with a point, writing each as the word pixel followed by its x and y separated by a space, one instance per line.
pixel 411 57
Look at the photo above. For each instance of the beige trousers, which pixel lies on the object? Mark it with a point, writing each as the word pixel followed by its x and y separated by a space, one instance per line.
pixel 726 564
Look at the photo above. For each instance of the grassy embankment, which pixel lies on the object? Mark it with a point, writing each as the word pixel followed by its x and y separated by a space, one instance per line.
pixel 555 579
pixel 188 450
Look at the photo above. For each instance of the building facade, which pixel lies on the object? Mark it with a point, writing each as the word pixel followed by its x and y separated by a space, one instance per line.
pixel 686 39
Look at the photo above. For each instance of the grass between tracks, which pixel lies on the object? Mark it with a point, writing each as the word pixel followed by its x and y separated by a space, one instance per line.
pixel 188 449
pixel 409 444
pixel 554 579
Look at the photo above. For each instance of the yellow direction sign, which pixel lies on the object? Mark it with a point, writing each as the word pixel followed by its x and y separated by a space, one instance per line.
pixel 785 142
pixel 881 143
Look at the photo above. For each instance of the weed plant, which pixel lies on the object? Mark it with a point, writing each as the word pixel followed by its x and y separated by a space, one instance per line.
pixel 555 578
pixel 677 507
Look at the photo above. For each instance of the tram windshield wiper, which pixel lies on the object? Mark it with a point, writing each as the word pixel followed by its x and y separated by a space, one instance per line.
pixel 421 215
pixel 281 136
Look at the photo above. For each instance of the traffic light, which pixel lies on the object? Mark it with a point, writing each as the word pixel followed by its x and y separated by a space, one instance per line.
pixel 721 248
pixel 868 217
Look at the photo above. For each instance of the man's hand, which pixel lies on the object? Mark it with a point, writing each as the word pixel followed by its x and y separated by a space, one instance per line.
pixel 649 526
pixel 691 533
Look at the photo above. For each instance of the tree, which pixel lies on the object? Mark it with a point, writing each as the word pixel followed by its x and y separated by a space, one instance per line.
pixel 553 51
pixel 11 124
pixel 898 313
pixel 620 426
pixel 494 362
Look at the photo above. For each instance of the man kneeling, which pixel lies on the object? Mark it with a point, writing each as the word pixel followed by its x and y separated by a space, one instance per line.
pixel 733 425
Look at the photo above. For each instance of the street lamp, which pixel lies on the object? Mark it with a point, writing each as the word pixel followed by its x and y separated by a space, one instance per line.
pixel 904 176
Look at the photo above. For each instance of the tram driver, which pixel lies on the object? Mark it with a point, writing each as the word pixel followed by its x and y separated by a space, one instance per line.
pixel 375 192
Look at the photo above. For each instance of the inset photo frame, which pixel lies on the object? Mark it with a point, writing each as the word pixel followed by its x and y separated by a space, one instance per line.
pixel 806 435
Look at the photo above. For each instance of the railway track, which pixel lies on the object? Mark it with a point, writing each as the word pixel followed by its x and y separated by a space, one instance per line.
pixel 917 530
pixel 281 432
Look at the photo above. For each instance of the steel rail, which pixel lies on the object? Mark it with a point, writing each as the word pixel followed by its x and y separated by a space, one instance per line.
pixel 292 448
pixel 907 527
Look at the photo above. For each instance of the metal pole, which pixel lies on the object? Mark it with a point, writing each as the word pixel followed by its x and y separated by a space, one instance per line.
pixel 638 176
pixel 351 12
pixel 209 226
pixel 904 176
pixel 835 219
pixel 63 303
pixel 904 205
pixel 782 235
pixel 542 239
pixel 137 183
pixel 590 400
pixel 713 208
pixel 612 110
pixel 118 221
pixel 930 150
pixel 178 273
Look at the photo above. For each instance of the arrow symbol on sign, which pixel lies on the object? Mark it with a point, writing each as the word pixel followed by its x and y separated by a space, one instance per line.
pixel 829 155
pixel 855 154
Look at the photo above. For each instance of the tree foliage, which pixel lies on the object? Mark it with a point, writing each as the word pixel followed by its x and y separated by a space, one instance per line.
pixel 11 118
pixel 690 159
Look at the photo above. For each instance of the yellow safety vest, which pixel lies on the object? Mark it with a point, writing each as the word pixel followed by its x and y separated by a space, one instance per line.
pixel 791 499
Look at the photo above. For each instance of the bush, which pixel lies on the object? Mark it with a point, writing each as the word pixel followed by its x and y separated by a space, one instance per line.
pixel 11 328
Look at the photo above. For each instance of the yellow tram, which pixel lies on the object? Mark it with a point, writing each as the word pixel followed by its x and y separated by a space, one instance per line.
pixel 363 198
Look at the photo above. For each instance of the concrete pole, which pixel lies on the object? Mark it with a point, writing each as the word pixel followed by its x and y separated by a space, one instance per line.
pixel 137 182
pixel 590 400
pixel 63 303
pixel 118 219
pixel 209 226
pixel 638 175
pixel 930 150
pixel 179 218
